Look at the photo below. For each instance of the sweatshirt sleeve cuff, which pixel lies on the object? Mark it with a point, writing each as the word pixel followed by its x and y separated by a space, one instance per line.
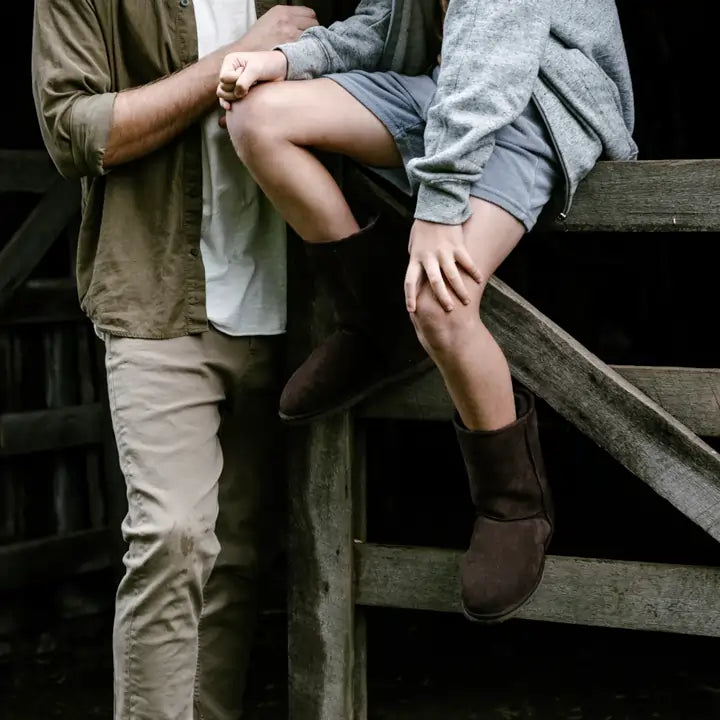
pixel 445 203
pixel 306 58
pixel 90 124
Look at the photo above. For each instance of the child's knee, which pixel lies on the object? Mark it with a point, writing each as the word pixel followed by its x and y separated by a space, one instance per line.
pixel 252 120
pixel 438 330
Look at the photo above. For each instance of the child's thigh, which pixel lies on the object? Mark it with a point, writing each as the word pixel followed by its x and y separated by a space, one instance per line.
pixel 321 114
pixel 491 234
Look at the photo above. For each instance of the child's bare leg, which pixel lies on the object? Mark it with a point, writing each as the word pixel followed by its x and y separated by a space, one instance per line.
pixel 271 129
pixel 471 362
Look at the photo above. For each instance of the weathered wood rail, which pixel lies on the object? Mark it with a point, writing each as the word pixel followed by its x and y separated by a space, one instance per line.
pixel 54 438
pixel 649 418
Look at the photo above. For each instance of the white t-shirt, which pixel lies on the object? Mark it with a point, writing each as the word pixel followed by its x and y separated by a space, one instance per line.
pixel 243 237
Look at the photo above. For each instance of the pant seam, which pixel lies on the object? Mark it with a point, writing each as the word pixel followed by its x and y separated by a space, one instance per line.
pixel 122 446
pixel 196 692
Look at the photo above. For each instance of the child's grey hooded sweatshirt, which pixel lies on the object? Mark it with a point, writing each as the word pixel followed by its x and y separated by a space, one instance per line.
pixel 496 54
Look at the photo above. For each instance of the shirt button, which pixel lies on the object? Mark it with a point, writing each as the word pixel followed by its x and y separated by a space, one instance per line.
pixel 194 251
pixel 184 3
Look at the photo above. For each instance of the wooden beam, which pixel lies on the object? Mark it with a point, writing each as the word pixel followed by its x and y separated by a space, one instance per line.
pixel 632 595
pixel 648 195
pixel 53 559
pixel 22 433
pixel 359 499
pixel 636 431
pixel 645 195
pixel 691 395
pixel 42 302
pixel 26 171
pixel 30 243
pixel 320 579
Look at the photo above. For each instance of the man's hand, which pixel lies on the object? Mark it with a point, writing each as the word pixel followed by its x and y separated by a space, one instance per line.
pixel 436 254
pixel 241 70
pixel 147 117
pixel 280 24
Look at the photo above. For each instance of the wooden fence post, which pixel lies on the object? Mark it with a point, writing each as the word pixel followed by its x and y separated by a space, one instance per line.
pixel 320 578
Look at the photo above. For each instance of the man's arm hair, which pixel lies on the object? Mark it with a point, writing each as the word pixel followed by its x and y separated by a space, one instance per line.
pixel 87 127
pixel 146 118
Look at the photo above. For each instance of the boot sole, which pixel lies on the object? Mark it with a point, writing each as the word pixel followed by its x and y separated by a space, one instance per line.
pixel 418 369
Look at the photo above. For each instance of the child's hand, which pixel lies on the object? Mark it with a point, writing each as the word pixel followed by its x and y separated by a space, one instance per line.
pixel 241 70
pixel 438 252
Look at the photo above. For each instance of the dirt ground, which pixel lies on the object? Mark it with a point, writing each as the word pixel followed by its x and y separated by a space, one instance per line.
pixel 422 666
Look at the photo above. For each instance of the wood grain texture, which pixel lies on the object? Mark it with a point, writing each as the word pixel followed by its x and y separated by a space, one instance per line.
pixel 85 339
pixel 359 480
pixel 26 171
pixel 53 429
pixel 43 301
pixel 53 559
pixel 632 595
pixel 645 195
pixel 35 236
pixel 320 580
pixel 648 195
pixel 634 429
pixel 691 395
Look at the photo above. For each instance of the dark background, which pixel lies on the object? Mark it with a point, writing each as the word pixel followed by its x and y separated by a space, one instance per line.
pixel 631 299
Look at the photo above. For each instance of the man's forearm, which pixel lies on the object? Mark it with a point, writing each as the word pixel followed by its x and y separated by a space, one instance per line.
pixel 148 117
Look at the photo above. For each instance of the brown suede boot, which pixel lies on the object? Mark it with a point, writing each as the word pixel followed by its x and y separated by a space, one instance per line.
pixel 504 564
pixel 375 343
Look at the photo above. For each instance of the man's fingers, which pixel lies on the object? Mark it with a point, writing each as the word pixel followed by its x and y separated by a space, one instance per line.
pixel 437 283
pixel 463 259
pixel 301 11
pixel 452 275
pixel 225 105
pixel 412 284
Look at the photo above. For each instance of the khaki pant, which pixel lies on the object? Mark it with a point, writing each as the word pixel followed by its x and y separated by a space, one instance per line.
pixel 196 429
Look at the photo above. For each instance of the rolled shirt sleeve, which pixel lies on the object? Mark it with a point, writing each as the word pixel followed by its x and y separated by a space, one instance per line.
pixel 71 82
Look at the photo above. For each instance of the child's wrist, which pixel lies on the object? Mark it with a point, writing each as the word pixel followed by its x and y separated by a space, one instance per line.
pixel 279 64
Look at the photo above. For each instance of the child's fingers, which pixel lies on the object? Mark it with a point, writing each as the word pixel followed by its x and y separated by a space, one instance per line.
pixel 244 83
pixel 226 95
pixel 465 261
pixel 454 279
pixel 230 69
pixel 437 283
pixel 412 284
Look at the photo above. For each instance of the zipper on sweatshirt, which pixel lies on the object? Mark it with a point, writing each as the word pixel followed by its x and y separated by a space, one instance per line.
pixel 562 215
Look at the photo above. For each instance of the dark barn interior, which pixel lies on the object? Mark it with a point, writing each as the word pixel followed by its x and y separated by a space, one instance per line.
pixel 631 298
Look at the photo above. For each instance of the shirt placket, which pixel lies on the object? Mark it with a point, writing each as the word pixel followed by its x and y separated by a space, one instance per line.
pixel 195 313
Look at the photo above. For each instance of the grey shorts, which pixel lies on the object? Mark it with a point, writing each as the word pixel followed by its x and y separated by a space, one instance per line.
pixel 522 172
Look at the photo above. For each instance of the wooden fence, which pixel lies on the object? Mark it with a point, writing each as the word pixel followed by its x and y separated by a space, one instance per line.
pixel 60 487
pixel 647 418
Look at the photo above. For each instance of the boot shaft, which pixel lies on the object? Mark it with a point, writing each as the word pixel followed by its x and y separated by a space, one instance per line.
pixel 506 472
pixel 364 274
